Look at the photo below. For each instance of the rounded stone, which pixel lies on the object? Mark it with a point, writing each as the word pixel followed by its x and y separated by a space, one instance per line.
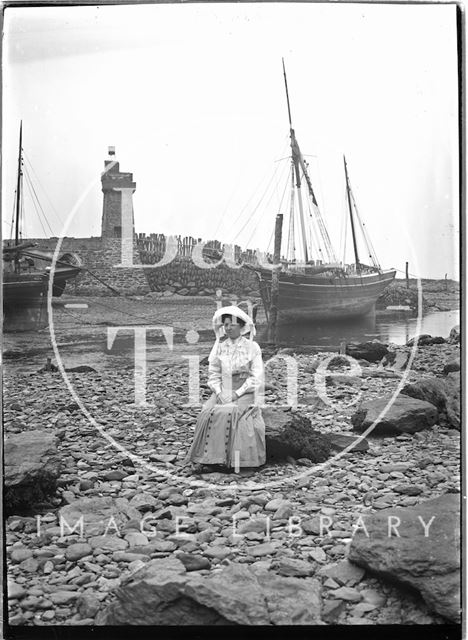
pixel 77 551
pixel 108 543
pixel 19 554
pixel 15 591
pixel 85 485
pixel 193 562
pixel 135 539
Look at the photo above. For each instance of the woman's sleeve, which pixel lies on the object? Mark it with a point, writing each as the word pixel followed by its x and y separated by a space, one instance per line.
pixel 214 375
pixel 256 377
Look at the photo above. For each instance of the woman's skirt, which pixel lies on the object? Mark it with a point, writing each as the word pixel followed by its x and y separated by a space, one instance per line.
pixel 230 434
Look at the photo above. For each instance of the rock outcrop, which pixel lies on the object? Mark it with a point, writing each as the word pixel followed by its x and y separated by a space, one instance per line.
pixel 453 402
pixel 454 337
pixel 371 351
pixel 443 393
pixel 425 340
pixel 32 467
pixel 290 434
pixel 425 554
pixel 396 360
pixel 101 515
pixel 162 593
pixel 451 366
pixel 403 415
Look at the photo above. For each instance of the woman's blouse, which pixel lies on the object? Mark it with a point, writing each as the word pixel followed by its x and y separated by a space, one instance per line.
pixel 233 358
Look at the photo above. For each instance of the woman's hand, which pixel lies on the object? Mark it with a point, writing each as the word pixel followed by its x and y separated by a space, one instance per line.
pixel 222 398
pixel 226 398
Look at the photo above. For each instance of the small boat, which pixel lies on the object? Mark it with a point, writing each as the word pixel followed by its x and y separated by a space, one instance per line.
pixel 25 286
pixel 320 288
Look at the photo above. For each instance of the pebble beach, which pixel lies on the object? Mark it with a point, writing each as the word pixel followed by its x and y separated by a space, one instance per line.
pixel 133 456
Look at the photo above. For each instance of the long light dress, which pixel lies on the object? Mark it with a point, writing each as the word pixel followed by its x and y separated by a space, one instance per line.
pixel 232 433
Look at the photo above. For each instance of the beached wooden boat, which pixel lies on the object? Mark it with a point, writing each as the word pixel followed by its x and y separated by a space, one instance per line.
pixel 25 285
pixel 320 288
pixel 327 295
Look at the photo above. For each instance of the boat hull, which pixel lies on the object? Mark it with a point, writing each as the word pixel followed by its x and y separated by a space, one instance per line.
pixel 25 297
pixel 24 301
pixel 304 297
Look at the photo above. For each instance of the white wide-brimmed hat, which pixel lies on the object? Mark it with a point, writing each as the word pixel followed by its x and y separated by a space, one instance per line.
pixel 218 325
pixel 236 312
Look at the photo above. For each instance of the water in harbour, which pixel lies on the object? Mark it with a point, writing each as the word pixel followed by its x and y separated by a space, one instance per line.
pixel 397 328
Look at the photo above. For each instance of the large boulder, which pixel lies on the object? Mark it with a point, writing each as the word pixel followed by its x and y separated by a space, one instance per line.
pixel 429 563
pixel 396 360
pixel 425 340
pixel 451 366
pixel 290 434
pixel 163 593
pixel 101 515
pixel 371 351
pixel 443 393
pixel 32 467
pixel 431 390
pixel 452 408
pixel 454 337
pixel 403 415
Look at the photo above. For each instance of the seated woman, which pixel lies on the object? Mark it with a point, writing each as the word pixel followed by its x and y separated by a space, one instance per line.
pixel 230 430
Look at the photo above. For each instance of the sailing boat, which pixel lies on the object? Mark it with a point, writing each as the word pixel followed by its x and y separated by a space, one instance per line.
pixel 25 287
pixel 322 288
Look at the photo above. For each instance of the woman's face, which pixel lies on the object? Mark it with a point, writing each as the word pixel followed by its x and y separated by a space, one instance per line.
pixel 232 328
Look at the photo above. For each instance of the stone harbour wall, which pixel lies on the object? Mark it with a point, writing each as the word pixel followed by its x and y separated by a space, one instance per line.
pixel 101 255
pixel 183 277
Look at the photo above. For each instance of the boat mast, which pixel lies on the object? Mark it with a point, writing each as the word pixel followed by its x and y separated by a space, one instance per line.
pixel 291 237
pixel 348 191
pixel 18 193
pixel 296 157
pixel 273 312
pixel 18 185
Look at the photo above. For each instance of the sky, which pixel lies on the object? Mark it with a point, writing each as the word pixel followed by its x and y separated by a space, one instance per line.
pixel 192 97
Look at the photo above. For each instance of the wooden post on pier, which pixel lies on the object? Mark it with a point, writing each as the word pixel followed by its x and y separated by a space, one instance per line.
pixel 407 277
pixel 273 313
pixel 446 283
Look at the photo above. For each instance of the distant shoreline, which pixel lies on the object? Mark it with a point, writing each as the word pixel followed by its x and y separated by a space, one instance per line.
pixel 439 295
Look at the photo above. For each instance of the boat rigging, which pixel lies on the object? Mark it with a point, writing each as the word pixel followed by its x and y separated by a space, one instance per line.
pixel 313 284
pixel 25 284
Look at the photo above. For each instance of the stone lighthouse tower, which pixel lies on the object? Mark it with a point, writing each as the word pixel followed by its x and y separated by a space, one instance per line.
pixel 120 259
pixel 116 185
